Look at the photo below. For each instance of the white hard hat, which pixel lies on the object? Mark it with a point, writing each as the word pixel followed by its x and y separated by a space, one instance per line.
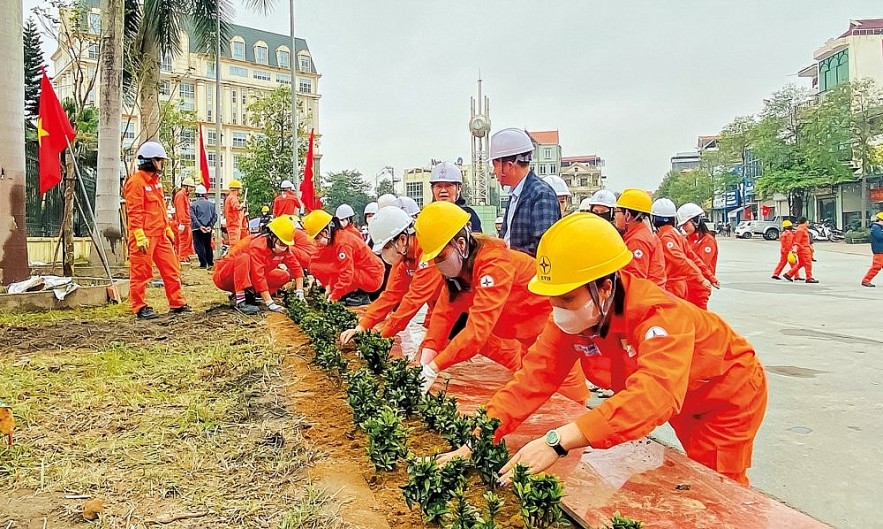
pixel 387 224
pixel 151 149
pixel 344 211
pixel 386 200
pixel 371 208
pixel 408 205
pixel 586 204
pixel 558 185
pixel 446 172
pixel 511 142
pixel 201 190
pixel 286 184
pixel 499 220
pixel 603 197
pixel 664 207
pixel 689 211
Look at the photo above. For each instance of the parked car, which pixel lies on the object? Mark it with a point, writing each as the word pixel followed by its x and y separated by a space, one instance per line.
pixel 744 229
pixel 769 229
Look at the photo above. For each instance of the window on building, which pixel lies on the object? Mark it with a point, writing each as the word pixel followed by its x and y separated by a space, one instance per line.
pixel 95 23
pixel 305 86
pixel 209 102
pixel 188 136
pixel 305 63
pixel 415 191
pixel 261 55
pixel 238 71
pixel 553 169
pixel 166 63
pixel 211 158
pixel 585 182
pixel 127 131
pixel 210 69
pixel 283 58
pixel 244 98
pixel 261 75
pixel 541 169
pixel 283 78
pixel 211 137
pixel 237 50
pixel 188 96
pixel 240 139
pixel 165 88
pixel 547 153
pixel 93 51
pixel 236 172
pixel 187 157
pixel 834 70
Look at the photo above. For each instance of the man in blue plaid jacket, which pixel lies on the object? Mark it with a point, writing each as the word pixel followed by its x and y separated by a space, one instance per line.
pixel 533 206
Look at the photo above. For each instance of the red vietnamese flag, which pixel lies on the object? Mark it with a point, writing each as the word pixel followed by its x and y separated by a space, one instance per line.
pixel 203 162
pixel 307 189
pixel 54 131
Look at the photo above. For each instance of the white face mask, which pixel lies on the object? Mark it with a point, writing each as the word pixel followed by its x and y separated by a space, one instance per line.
pixel 344 223
pixel 452 265
pixel 575 321
pixel 391 254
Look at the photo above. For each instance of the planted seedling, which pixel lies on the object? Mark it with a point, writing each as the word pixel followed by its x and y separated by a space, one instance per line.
pixel 426 488
pixel 487 456
pixel 540 498
pixel 339 317
pixel 463 515
pixel 374 351
pixel 402 388
pixel 328 357
pixel 456 430
pixel 363 395
pixel 438 410
pixel 621 522
pixel 387 439
pixel 297 310
pixel 317 328
pixel 494 505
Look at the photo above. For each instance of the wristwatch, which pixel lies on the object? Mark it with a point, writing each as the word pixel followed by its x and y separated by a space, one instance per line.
pixel 554 440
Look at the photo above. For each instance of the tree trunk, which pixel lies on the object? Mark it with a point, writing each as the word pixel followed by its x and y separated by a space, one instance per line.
pixel 13 236
pixel 148 92
pixel 107 190
pixel 67 219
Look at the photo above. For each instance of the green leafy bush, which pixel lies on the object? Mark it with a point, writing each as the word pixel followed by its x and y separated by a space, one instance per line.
pixel 317 328
pixel 494 505
pixel 621 522
pixel 374 350
pixel 339 317
pixel 297 310
pixel 462 514
pixel 328 357
pixel 363 395
pixel 402 387
pixel 487 456
pixel 387 438
pixel 438 410
pixel 540 498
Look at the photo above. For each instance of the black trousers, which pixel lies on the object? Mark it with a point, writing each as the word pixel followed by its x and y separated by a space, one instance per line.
pixel 202 243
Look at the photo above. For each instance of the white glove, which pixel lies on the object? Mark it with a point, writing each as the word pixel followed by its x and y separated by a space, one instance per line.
pixel 427 355
pixel 429 377
pixel 299 294
pixel 275 307
pixel 180 227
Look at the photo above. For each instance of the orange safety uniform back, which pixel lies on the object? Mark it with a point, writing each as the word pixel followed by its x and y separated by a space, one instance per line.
pixel 646 248
pixel 251 263
pixel 304 248
pixel 706 250
pixel 802 238
pixel 286 203
pixel 348 265
pixel 680 269
pixel 411 284
pixel 786 241
pixel 145 204
pixel 355 231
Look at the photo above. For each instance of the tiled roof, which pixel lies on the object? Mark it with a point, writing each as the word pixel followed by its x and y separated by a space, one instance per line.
pixel 252 36
pixel 545 137
pixel 585 158
pixel 865 24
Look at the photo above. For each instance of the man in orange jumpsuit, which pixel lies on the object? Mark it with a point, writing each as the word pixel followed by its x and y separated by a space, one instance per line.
pixel 876 250
pixel 233 213
pixel 412 282
pixel 786 245
pixel 667 360
pixel 631 209
pixel 182 220
pixel 488 281
pixel 150 236
pixel 681 270
pixel 287 202
pixel 254 266
pixel 803 248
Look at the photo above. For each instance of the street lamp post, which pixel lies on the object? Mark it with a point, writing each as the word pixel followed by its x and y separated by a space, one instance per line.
pixel 292 57
pixel 219 207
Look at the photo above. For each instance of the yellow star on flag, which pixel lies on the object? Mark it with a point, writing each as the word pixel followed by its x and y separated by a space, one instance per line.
pixel 40 130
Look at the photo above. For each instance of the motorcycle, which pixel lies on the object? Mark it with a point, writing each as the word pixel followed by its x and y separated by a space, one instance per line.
pixel 820 232
pixel 835 233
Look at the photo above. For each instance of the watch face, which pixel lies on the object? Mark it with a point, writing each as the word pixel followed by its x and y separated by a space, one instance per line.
pixel 552 437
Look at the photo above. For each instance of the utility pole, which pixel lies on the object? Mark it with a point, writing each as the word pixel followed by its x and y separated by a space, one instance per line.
pixel 219 206
pixel 294 120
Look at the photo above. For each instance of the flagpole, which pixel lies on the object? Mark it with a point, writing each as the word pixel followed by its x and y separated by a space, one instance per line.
pixel 219 206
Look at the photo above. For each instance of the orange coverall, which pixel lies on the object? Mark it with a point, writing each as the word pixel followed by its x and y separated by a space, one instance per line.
pixel 286 204
pixel 354 230
pixel 347 265
pixel 146 210
pixel 668 361
pixel 251 263
pixel 233 217
pixel 182 218
pixel 411 284
pixel 501 309
pixel 648 261
pixel 680 269
pixel 703 251
pixel 786 244
pixel 304 248
pixel 804 251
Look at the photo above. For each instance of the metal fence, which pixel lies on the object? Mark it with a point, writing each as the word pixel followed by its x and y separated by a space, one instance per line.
pixel 44 213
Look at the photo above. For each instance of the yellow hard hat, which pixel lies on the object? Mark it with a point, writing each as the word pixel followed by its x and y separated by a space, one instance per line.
pixel 792 258
pixel 879 216
pixel 235 184
pixel 635 199
pixel 436 225
pixel 265 209
pixel 283 228
pixel 560 269
pixel 786 223
pixel 316 221
pixel 296 220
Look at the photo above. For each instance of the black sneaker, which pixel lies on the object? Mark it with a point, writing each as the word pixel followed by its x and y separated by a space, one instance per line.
pixel 777 278
pixel 185 309
pixel 811 280
pixel 789 278
pixel 251 297
pixel 868 284
pixel 247 309
pixel 146 313
pixel 357 300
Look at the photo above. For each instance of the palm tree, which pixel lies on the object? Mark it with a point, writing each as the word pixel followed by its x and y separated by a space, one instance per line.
pixel 13 238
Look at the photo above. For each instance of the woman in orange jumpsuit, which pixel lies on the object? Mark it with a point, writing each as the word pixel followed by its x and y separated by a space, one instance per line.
pixel 487 281
pixel 803 248
pixel 667 360
pixel 412 282
pixel 233 216
pixel 344 263
pixel 786 245
pixel 681 271
pixel 254 265
pixel 632 208
pixel 703 250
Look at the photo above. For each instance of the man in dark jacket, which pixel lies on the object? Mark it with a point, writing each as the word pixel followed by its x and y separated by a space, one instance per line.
pixel 446 181
pixel 876 249
pixel 202 220
pixel 533 204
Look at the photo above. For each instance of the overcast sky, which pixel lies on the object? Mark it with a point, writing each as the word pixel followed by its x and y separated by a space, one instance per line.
pixel 632 81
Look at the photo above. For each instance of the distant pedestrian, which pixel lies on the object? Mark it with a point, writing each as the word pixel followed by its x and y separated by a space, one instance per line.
pixel 203 217
pixel 233 213
pixel 265 218
pixel 181 220
pixel 803 248
pixel 533 205
pixel 446 182
pixel 786 246
pixel 876 249
pixel 287 202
